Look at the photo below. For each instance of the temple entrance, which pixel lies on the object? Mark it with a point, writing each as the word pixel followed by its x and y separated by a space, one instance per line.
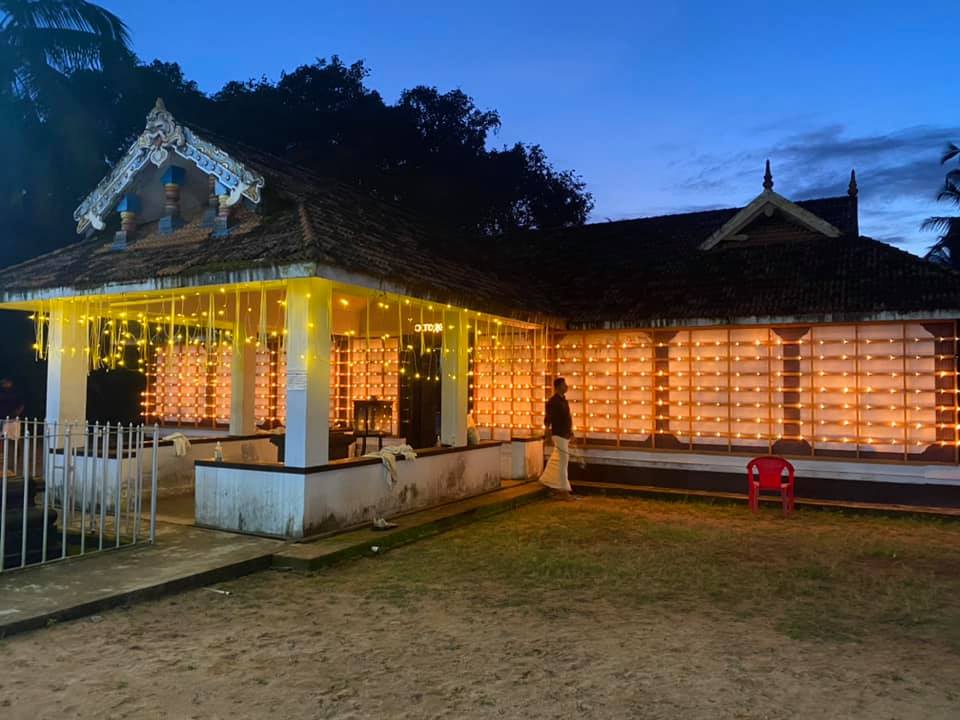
pixel 420 390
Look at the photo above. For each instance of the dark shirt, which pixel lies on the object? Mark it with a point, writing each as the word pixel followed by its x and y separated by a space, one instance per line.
pixel 558 417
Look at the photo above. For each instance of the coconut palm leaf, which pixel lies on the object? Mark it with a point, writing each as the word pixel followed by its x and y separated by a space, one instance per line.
pixel 40 39
pixel 946 250
pixel 950 153
pixel 940 224
pixel 79 15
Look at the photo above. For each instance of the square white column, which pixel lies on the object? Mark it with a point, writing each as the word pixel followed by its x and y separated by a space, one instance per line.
pixel 67 364
pixel 453 389
pixel 243 388
pixel 309 329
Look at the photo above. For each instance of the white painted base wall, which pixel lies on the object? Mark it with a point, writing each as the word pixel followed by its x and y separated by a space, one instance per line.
pixel 95 477
pixel 521 460
pixel 175 475
pixel 912 473
pixel 267 502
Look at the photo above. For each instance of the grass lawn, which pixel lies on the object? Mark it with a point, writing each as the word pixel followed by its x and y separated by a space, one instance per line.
pixel 602 608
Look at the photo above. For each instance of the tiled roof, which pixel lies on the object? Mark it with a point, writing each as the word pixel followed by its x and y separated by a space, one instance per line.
pixel 643 272
pixel 305 219
pixel 651 271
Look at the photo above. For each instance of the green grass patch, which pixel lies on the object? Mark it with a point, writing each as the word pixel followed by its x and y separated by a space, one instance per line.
pixel 820 576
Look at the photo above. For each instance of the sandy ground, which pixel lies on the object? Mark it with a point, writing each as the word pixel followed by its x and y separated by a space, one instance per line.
pixel 347 644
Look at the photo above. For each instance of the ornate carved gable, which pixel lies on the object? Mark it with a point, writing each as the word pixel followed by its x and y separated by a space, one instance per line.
pixel 771 218
pixel 161 141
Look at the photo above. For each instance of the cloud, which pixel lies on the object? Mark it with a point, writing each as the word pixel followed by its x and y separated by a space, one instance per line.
pixel 776 126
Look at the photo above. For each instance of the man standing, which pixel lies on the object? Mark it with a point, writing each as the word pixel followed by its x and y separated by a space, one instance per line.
pixel 560 426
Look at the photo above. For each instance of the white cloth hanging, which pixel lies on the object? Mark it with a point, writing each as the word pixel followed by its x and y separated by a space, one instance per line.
pixel 181 443
pixel 389 457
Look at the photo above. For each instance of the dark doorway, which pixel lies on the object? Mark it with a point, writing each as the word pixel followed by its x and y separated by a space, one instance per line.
pixel 115 396
pixel 420 390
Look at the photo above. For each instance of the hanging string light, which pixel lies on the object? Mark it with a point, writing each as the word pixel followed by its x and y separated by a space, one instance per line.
pixel 869 389
pixel 262 337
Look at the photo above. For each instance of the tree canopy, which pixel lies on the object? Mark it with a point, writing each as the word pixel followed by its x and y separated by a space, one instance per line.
pixel 430 151
pixel 41 41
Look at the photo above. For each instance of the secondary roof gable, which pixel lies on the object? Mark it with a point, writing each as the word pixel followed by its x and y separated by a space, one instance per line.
pixel 767 204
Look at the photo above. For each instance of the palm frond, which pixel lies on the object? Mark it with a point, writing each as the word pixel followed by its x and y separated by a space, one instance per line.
pixel 938 254
pixel 71 15
pixel 946 250
pixel 941 224
pixel 950 192
pixel 66 50
pixel 949 153
pixel 48 38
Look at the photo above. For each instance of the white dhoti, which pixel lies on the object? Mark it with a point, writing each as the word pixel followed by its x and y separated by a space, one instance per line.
pixel 555 474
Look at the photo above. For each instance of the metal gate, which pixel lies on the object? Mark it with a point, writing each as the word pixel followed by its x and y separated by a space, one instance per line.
pixel 74 489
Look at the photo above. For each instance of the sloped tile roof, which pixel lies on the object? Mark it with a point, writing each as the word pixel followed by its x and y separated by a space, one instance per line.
pixel 642 272
pixel 305 219
pixel 651 271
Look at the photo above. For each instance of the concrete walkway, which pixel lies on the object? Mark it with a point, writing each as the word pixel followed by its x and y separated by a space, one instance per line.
pixel 188 557
pixel 184 557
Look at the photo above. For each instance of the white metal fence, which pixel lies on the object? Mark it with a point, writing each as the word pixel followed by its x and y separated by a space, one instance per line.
pixel 72 489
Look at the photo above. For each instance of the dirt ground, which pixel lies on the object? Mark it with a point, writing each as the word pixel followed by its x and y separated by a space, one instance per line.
pixel 596 609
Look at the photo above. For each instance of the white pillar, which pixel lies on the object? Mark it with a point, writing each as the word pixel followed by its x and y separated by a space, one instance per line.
pixel 453 390
pixel 67 364
pixel 309 327
pixel 243 388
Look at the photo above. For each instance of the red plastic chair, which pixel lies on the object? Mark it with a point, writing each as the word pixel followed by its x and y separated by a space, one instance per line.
pixel 766 473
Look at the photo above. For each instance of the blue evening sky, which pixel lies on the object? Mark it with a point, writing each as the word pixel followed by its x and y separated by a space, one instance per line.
pixel 661 107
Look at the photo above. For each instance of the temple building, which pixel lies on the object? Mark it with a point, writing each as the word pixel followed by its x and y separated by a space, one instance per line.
pixel 295 319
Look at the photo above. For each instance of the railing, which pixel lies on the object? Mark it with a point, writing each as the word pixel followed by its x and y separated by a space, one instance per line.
pixel 73 489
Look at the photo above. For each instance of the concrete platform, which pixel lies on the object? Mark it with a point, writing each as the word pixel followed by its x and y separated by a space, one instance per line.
pixel 315 553
pixel 183 558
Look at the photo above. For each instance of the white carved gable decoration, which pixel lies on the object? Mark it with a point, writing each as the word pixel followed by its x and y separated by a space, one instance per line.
pixel 162 135
pixel 766 204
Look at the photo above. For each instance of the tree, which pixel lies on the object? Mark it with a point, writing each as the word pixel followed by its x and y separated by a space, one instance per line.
pixel 42 41
pixel 946 249
pixel 429 152
pixel 49 130
pixel 439 164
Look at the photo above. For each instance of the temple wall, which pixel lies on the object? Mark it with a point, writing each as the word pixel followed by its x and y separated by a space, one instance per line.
pixel 271 500
pixel 873 391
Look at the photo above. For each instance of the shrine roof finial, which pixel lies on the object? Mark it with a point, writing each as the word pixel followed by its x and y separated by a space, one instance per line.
pixel 768 178
pixel 852 187
pixel 160 106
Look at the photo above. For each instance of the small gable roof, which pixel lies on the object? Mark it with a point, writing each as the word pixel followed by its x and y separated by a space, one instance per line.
pixel 767 203
pixel 162 136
